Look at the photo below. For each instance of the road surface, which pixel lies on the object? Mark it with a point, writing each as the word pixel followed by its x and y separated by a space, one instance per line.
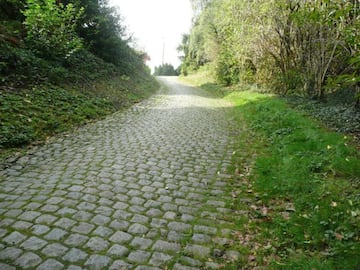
pixel 142 189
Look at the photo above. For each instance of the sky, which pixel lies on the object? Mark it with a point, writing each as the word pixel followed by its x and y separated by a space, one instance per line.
pixel 157 25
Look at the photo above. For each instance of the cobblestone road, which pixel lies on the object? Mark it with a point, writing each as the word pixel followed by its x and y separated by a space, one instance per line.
pixel 142 189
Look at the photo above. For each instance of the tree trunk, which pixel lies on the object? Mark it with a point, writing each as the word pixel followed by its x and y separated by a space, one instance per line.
pixel 357 96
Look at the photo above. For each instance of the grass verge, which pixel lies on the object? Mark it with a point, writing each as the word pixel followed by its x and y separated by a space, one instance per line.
pixel 297 184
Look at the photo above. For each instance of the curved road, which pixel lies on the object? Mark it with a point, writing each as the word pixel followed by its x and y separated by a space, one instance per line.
pixel 142 189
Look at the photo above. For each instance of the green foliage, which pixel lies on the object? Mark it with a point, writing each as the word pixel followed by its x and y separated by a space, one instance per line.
pixel 204 76
pixel 51 28
pixel 165 70
pixel 316 171
pixel 104 35
pixel 337 116
pixel 84 67
pixel 34 114
pixel 308 48
pixel 54 35
pixel 296 183
pixel 61 65
pixel 42 111
pixel 227 69
pixel 55 32
pixel 10 10
pixel 192 48
pixel 21 67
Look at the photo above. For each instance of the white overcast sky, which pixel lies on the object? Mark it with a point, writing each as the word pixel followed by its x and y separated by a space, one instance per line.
pixel 154 23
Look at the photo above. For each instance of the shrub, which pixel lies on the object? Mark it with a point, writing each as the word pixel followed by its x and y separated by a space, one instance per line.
pixel 51 28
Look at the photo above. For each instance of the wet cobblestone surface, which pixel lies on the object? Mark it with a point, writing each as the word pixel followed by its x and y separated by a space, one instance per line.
pixel 142 189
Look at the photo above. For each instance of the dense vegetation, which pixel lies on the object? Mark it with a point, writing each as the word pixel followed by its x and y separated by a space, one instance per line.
pixel 308 48
pixel 63 63
pixel 295 193
pixel 295 190
pixel 165 70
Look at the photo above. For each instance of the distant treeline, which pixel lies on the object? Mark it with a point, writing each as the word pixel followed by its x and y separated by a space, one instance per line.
pixel 166 70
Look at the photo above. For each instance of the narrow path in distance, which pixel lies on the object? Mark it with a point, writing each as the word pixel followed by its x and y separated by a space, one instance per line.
pixel 142 189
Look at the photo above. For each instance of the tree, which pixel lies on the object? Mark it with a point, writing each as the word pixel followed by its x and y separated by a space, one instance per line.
pixel 165 70
pixel 51 28
pixel 287 46
pixel 198 6
pixel 10 10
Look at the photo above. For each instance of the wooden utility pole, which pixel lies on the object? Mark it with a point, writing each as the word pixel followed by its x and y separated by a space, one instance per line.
pixel 163 52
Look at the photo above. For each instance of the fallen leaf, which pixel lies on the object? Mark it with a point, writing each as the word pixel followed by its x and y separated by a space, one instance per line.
pixel 285 215
pixel 251 258
pixel 268 246
pixel 339 236
pixel 264 211
pixel 305 216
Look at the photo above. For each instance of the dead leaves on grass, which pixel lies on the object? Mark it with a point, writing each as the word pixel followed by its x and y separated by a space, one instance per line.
pixel 247 202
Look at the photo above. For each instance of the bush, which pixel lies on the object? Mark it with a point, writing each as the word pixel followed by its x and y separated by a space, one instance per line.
pixel 20 66
pixel 51 28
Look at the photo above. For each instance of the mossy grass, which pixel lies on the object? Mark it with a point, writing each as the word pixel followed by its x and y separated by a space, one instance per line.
pixel 297 182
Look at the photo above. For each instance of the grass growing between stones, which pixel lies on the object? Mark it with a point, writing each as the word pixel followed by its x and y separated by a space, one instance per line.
pixel 297 184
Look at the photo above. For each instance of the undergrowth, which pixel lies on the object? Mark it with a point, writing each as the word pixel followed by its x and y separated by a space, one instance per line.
pixel 334 113
pixel 45 93
pixel 297 183
pixel 30 115
pixel 40 98
pixel 34 114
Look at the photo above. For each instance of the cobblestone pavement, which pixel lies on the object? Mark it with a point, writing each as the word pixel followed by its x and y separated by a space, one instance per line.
pixel 142 189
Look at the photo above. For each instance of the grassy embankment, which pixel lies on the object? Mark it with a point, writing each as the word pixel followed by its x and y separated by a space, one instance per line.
pixel 63 100
pixel 295 190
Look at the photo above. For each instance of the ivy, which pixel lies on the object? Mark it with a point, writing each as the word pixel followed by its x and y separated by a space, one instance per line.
pixel 51 28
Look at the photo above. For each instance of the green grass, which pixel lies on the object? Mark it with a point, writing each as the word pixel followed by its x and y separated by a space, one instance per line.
pixel 34 114
pixel 317 172
pixel 30 116
pixel 204 77
pixel 298 184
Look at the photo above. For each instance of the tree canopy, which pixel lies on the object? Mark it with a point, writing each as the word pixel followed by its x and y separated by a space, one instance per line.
pixel 44 33
pixel 303 47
